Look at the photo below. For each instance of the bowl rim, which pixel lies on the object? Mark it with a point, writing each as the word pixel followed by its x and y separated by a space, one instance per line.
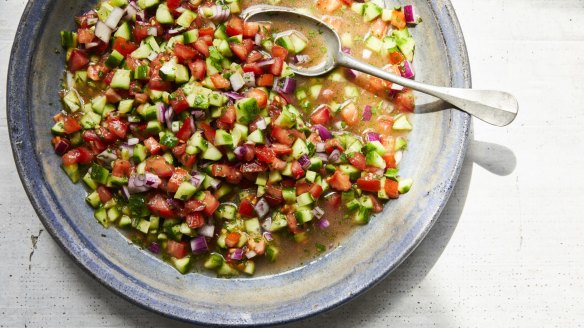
pixel 29 28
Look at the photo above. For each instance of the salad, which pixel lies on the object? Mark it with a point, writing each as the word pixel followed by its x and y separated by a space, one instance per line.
pixel 192 134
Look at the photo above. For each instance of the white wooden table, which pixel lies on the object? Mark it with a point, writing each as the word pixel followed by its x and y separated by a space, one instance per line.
pixel 507 251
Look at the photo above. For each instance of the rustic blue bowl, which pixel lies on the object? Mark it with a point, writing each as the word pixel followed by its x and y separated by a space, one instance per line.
pixel 437 149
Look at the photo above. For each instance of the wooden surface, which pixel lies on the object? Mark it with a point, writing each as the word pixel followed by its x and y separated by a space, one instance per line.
pixel 507 251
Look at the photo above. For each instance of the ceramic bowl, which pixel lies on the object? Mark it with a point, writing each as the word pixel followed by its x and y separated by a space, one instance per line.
pixel 437 148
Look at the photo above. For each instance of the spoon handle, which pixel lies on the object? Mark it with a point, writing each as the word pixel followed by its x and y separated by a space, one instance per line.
pixel 494 107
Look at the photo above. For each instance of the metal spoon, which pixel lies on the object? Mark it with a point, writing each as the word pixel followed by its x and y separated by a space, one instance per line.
pixel 494 107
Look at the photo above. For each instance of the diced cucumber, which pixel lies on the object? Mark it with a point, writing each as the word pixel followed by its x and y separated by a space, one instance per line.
pixel 352 171
pixel 121 79
pixel 68 39
pixel 144 4
pixel 182 265
pixel 212 153
pixel 374 159
pixel 163 15
pixel 225 270
pixel 168 71
pixel 310 176
pixel 287 119
pixel 249 267
pixel 114 59
pixel 305 199
pixel 272 253
pixel 190 36
pixel 140 153
pixel 402 123
pixel 351 92
pixel 214 261
pixel 151 41
pixel 252 226
pixel 375 146
pixel 123 31
pixel 274 176
pixel 246 110
pixel 223 138
pixel 400 143
pixel 289 195
pixel 405 42
pixel 89 181
pixel 303 215
pixel 298 43
pixel 286 42
pixel 93 199
pixel 185 191
pixel 371 11
pixel 373 43
pixel 101 216
pixel 362 216
pixel 279 222
pixel 404 185
pixel 182 74
pixel 257 137
pixel 125 106
pixel 90 120
pixel 315 90
pixel 299 148
pixel 186 18
pixel 217 99
pixel 386 14
pixel 357 7
pixel 72 101
pixel 142 52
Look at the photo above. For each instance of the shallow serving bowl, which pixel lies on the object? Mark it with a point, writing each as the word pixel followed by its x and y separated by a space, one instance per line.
pixel 437 148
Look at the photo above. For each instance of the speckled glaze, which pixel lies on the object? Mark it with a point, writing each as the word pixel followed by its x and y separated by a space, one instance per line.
pixel 437 144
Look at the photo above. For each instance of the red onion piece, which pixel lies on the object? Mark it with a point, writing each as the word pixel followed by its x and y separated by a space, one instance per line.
pixel 323 157
pixel 237 81
pixel 198 115
pixel 137 184
pixel 114 17
pixel 250 254
pixel 367 113
pixel 334 156
pixel 237 254
pixel 351 74
pixel 408 70
pixel 346 50
pixel 265 62
pixel 152 180
pixel 240 152
pixel 320 147
pixel 154 247
pixel 262 207
pixel 103 32
pixel 133 141
pixel 268 236
pixel 196 179
pixel 168 115
pixel 199 245
pixel 396 87
pixel 261 124
pixel 323 223
pixel 267 224
pixel 304 161
pixel 372 136
pixel 323 132
pixel 125 192
pixel 410 14
pixel 62 146
pixel 249 79
pixel 233 95
pixel 207 230
pixel 258 39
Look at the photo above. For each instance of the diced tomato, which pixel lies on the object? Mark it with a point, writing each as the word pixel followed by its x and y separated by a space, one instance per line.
pixel 246 209
pixel 121 168
pixel 184 52
pixel 229 116
pixel 280 149
pixel 173 4
pixel 253 167
pixel 220 82
pixel 396 57
pixel 276 67
pixel 234 26
pixel 265 154
pixel 347 2
pixel 391 188
pixel 398 19
pixel 159 206
pixel 369 184
pixel 108 77
pixel 78 60
pixel 265 80
pixel 350 114
pixel 250 29
pixel 292 223
pixel 85 35
pixel 195 220
pixel 198 69
pixel 279 52
pixel 70 125
pixel 358 161
pixel 177 249
pixel 340 181
pixel 140 31
pixel 333 201
pixel 259 95
pixel 185 131
pixel 179 176
pixel 328 6
pixel 404 101
pixel 283 136
pixel 124 46
pixel 194 205
pixel 152 145
pixel 178 101
pixel 83 20
pixel 232 239
pixel 117 126
pixel 104 194
pixel 297 171
pixel 327 94
pixel 211 203
pixel 239 50
pixel 179 149
pixel 272 200
pixel 157 83
pixel 302 187
pixel 278 164
pixel 274 191
pixel 208 131
pixel 248 44
pixel 159 166
pixel 331 144
pixel 389 159
pixel 254 68
pixel 85 156
pixel 202 47
pixel 377 207
pixel 322 115
pixel 316 190
pixel 142 98
pixel 379 28
pixel 112 96
pixel 206 31
pixel 254 56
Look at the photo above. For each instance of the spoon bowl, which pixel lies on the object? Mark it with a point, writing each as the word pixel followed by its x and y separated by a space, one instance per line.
pixel 494 107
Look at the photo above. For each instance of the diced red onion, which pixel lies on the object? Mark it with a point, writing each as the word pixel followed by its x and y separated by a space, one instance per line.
pixel 199 245
pixel 125 192
pixel 410 14
pixel 323 132
pixel 107 156
pixel 193 128
pixel 262 207
pixel 367 113
pixel 372 136
pixel 176 30
pixel 286 85
pixel 168 117
pixel 131 11
pixel 152 180
pixel 249 79
pixel 323 223
pixel 137 184
pixel 62 146
pixel 334 156
pixel 154 247
pixel 268 236
pixel 250 254
pixel 153 31
pixel 236 254
pixel 318 212
pixel 196 179
pixel 408 70
pixel 133 141
pixel 323 157
pixel 207 230
pixel 261 124
pixel 114 17
pixel 91 45
pixel 198 115
pixel 103 32
pixel 398 156
pixel 141 16
pixel 265 62
pixel 160 112
pixel 286 96
pixel 237 81
pixel 397 87
pixel 320 147
pixel 304 161
pixel 215 183
pixel 233 95
pixel 240 152
pixel 346 50
pixel 367 53
pixel 290 32
pixel 301 59
pixel 257 39
pixel 267 224
pixel 351 74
